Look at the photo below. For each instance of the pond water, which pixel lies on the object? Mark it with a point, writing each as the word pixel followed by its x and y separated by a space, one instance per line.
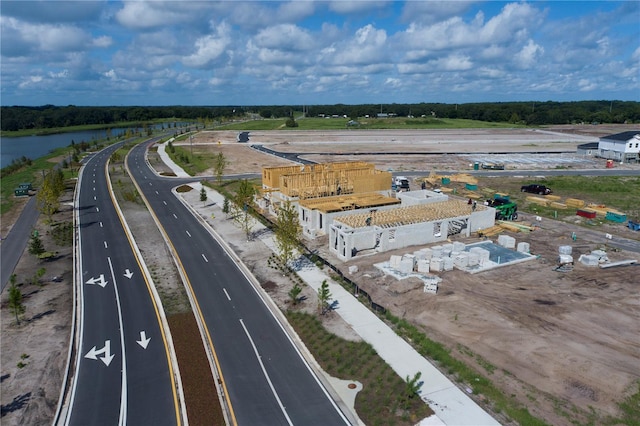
pixel 37 146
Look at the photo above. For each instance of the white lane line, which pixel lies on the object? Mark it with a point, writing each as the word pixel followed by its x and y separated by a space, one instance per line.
pixel 266 375
pixel 123 391
pixel 105 245
pixel 205 259
pixel 157 193
pixel 165 203
pixel 174 215
pixel 150 184
pixel 227 294
pixel 188 233
pixel 94 198
pixel 94 188
pixel 97 209
pixel 101 225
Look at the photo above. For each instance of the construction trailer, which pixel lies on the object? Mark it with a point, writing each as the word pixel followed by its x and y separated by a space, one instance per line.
pixel 383 230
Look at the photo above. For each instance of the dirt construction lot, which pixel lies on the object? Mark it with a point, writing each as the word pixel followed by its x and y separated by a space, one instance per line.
pixel 564 344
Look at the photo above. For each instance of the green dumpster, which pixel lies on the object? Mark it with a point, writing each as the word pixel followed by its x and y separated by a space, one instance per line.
pixel 476 166
pixel 446 181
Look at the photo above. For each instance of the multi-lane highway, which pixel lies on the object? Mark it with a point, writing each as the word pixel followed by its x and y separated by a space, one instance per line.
pixel 123 373
pixel 266 380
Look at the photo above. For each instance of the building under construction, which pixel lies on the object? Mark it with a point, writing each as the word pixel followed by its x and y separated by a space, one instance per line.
pixel 383 230
pixel 303 182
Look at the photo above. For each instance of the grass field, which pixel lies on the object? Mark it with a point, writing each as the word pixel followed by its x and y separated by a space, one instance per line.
pixel 315 123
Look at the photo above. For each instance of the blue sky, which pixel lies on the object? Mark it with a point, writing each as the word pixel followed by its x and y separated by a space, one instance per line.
pixel 317 52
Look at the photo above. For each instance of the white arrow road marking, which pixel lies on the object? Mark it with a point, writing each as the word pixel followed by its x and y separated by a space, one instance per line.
pixel 100 281
pixel 106 350
pixel 128 273
pixel 144 340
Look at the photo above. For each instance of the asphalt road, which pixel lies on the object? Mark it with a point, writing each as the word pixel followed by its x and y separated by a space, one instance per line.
pixel 123 374
pixel 267 380
pixel 15 242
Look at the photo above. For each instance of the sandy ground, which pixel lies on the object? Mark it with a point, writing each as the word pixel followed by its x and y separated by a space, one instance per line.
pixel 557 342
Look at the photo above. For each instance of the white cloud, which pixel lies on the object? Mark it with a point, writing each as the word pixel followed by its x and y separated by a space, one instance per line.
pixel 529 55
pixel 111 74
pixel 284 37
pixel 208 48
pixel 360 6
pixel 34 79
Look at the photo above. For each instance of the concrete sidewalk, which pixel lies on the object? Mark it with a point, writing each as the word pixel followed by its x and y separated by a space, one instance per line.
pixel 449 403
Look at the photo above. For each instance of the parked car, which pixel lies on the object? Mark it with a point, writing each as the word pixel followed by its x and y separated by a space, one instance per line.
pixel 536 189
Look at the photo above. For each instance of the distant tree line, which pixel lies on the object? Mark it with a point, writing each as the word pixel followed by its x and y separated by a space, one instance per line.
pixel 529 113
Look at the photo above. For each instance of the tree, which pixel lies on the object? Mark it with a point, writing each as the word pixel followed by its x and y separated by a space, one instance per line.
pixel 294 293
pixel 15 300
pixel 412 388
pixel 219 164
pixel 203 195
pixel 324 295
pixel 291 122
pixel 287 231
pixel 242 204
pixel 50 192
pixel 36 247
pixel 225 206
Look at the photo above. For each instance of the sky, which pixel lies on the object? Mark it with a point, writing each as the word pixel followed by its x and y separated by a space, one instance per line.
pixel 104 53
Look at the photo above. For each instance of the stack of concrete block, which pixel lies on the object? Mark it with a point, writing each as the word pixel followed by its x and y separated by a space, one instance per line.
pixel 436 251
pixel 458 246
pixel 419 254
pixel 507 241
pixel 431 284
pixel 523 247
pixel 436 264
pixel 589 259
pixel 447 264
pixel 446 250
pixel 423 266
pixel 394 261
pixel 428 253
pixel 410 258
pixel 405 266
pixel 461 260
pixel 483 254
pixel 474 259
pixel 602 255
pixel 565 250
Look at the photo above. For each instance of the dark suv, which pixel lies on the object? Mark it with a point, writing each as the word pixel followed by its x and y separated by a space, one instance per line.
pixel 536 189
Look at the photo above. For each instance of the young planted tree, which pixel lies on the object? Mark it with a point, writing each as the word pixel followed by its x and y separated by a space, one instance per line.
pixel 219 164
pixel 203 195
pixel 36 247
pixel 15 300
pixel 412 388
pixel 225 206
pixel 242 205
pixel 50 192
pixel 294 293
pixel 324 295
pixel 287 232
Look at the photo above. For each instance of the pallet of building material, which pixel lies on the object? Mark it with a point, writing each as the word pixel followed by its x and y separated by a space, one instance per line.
pixel 490 232
pixel 471 194
pixel 600 209
pixel 516 227
pixel 574 203
pixel 552 197
pixel 555 205
pixel 537 200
